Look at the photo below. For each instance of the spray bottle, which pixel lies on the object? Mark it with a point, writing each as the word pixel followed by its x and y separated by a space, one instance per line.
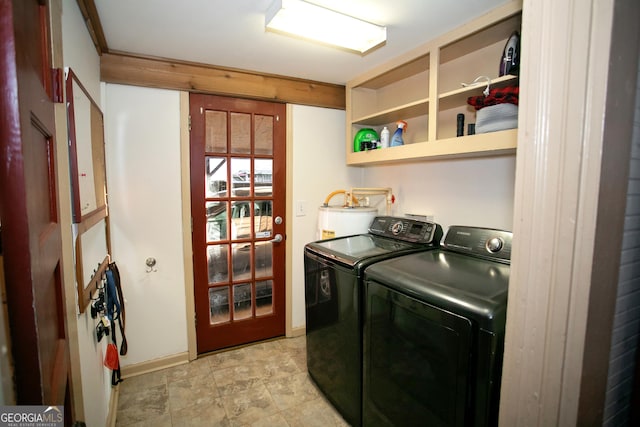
pixel 396 139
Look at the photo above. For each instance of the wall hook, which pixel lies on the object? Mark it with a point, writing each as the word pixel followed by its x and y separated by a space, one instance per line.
pixel 485 92
pixel 151 263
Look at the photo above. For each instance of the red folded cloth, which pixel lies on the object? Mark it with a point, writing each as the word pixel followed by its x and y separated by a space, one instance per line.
pixel 504 95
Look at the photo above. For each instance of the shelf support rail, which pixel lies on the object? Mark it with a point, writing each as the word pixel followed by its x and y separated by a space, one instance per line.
pixel 386 191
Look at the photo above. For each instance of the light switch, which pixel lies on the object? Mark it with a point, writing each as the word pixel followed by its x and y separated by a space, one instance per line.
pixel 301 208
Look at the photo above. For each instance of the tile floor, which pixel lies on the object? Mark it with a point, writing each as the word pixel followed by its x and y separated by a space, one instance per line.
pixel 264 384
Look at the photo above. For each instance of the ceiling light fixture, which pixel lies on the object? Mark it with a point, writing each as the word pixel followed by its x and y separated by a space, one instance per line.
pixel 309 21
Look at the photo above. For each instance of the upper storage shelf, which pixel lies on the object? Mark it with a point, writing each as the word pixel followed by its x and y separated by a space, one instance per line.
pixel 428 87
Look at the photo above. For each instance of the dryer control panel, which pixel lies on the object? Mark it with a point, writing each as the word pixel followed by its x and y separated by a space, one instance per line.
pixel 408 230
pixel 482 242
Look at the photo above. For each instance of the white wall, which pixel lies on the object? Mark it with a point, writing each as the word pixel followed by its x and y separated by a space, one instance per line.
pixel 78 49
pixel 318 169
pixel 143 177
pixel 142 128
pixel 475 192
pixel 80 55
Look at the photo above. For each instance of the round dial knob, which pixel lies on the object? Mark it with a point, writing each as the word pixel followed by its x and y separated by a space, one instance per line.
pixel 396 228
pixel 494 244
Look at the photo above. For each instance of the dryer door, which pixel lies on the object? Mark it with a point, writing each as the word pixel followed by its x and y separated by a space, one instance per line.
pixel 416 361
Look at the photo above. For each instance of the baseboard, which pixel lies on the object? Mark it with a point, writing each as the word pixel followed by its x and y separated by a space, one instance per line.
pixel 297 332
pixel 113 406
pixel 154 365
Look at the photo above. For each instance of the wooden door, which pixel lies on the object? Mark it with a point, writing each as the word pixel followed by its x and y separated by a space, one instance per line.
pixel 31 238
pixel 238 214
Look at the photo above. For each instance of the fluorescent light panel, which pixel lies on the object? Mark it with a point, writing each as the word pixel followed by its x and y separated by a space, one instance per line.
pixel 308 21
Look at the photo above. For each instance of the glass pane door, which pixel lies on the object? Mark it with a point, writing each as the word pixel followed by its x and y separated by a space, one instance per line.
pixel 242 270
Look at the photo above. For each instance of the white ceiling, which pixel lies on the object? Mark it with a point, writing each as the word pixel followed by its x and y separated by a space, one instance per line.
pixel 230 33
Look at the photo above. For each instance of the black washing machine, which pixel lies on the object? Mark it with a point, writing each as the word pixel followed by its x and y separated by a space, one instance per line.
pixel 434 333
pixel 333 297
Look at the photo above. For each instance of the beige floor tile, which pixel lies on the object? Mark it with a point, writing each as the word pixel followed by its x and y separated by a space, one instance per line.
pixel 143 382
pixel 249 406
pixel 315 413
pixel 227 359
pixel 278 366
pixel 195 368
pixel 211 414
pixel 276 420
pixel 290 391
pixel 195 390
pixel 162 421
pixel 143 405
pixel 297 343
pixel 261 385
pixel 238 378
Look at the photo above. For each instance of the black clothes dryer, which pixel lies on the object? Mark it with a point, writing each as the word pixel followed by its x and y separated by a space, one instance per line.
pixel 333 297
pixel 434 333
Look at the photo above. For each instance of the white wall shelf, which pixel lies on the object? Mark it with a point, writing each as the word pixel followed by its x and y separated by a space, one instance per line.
pixel 424 88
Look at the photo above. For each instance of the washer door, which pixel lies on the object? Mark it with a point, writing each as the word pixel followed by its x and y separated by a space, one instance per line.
pixel 416 361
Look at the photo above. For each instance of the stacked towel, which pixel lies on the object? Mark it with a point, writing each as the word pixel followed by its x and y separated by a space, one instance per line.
pixel 496 111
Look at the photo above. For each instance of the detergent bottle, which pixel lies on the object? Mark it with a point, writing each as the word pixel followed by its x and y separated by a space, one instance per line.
pixel 396 139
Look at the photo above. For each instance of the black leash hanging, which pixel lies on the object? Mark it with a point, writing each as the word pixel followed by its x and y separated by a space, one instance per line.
pixel 115 311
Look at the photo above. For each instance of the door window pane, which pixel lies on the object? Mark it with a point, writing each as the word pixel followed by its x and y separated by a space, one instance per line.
pixel 241 133
pixel 216 221
pixel 264 260
pixel 262 210
pixel 264 298
pixel 241 261
pixel 240 177
pixel 217 262
pixel 215 131
pixel 263 175
pixel 241 219
pixel 242 301
pixel 264 134
pixel 215 177
pixel 218 305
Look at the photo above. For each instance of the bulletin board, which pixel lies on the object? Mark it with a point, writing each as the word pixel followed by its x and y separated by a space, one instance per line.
pixel 89 185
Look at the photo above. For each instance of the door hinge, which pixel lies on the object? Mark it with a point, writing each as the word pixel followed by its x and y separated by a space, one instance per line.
pixel 57 85
pixel 189 123
pixel 277 118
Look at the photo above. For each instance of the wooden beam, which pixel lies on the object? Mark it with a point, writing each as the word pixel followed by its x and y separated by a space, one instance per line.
pixel 92 21
pixel 124 68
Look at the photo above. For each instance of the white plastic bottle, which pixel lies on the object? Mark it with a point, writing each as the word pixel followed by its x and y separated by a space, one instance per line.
pixel 384 137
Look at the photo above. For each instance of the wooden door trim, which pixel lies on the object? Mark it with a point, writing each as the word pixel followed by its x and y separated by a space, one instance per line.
pixel 187 248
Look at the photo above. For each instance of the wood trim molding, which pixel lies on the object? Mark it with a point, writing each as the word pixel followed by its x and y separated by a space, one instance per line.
pixel 153 365
pixel 187 248
pixel 125 68
pixel 94 26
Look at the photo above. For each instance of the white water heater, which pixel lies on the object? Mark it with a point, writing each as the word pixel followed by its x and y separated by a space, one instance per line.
pixel 344 221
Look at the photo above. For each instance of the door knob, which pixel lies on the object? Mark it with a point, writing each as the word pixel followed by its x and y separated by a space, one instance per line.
pixel 276 239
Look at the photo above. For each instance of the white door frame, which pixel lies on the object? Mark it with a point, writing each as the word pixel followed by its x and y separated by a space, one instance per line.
pixel 559 310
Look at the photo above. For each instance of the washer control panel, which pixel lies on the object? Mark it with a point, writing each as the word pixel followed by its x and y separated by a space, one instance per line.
pixel 483 242
pixel 408 230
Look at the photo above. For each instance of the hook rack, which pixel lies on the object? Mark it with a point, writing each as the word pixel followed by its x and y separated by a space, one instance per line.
pixel 85 293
